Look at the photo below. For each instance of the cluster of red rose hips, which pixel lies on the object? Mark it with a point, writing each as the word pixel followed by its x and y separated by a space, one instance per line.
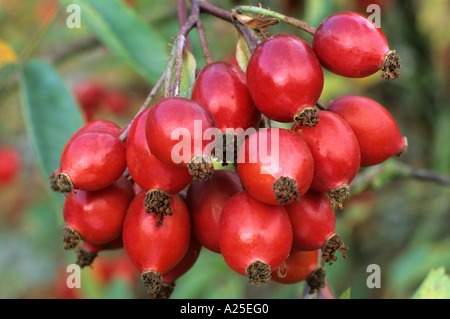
pixel 270 217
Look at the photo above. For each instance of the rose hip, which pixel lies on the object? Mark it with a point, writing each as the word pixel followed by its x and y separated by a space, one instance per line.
pixel 255 238
pixel 350 45
pixel 336 154
pixel 96 216
pixel 205 201
pixel 275 166
pixel 158 179
pixel 285 79
pixel 156 250
pixel 178 118
pixel 377 133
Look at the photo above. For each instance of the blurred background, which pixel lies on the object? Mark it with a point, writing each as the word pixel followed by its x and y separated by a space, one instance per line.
pixel 401 223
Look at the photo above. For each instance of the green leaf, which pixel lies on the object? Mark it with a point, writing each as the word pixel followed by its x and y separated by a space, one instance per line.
pixel 51 115
pixel 345 294
pixel 125 34
pixel 187 74
pixel 435 286
pixel 242 53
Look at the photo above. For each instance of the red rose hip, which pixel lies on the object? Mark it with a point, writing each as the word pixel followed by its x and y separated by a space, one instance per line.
pixel 275 166
pixel 255 238
pixel 91 161
pixel 221 87
pixel 96 216
pixel 313 225
pixel 158 179
pixel 205 201
pixel 377 133
pixel 285 79
pixel 350 45
pixel 336 154
pixel 156 250
pixel 297 267
pixel 185 264
pixel 176 130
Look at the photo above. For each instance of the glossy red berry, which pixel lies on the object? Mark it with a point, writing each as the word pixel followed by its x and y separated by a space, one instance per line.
pixel 336 154
pixel 175 130
pixel 205 201
pixel 275 166
pixel 91 161
pixel 221 87
pixel 10 164
pixel 298 267
pixel 376 130
pixel 350 45
pixel 285 79
pixel 158 179
pixel 156 250
pixel 255 238
pixel 313 224
pixel 313 221
pixel 96 217
pixel 185 264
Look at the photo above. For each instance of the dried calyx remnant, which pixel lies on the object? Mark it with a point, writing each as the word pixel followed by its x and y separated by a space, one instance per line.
pixel 152 280
pixel 71 238
pixel 165 291
pixel 85 258
pixel 338 194
pixel 307 117
pixel 316 280
pixel 157 202
pixel 405 147
pixel 53 181
pixel 258 272
pixel 64 183
pixel 286 190
pixel 333 244
pixel 201 167
pixel 390 66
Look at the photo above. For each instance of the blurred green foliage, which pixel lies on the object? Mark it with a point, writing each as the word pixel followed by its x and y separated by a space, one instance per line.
pixel 403 226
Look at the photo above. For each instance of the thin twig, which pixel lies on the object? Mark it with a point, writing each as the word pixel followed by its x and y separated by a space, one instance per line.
pixel 289 20
pixel 201 32
pixel 321 106
pixel 175 88
pixel 169 70
pixel 251 40
pixel 182 19
pixel 380 175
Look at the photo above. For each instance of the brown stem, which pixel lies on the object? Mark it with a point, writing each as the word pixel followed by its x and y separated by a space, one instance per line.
pixel 379 175
pixel 201 33
pixel 321 106
pixel 249 37
pixel 182 19
pixel 175 88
